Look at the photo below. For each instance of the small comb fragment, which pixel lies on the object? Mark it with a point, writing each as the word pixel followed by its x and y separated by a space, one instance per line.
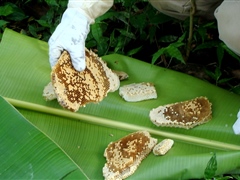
pixel 163 147
pixel 75 89
pixel 186 114
pixel 138 92
pixel 121 74
pixel 125 155
pixel 48 92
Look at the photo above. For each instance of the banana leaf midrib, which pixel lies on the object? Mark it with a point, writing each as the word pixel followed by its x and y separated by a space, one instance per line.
pixel 121 125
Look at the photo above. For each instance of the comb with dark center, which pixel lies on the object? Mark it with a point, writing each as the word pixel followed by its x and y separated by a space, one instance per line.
pixel 125 155
pixel 75 89
pixel 187 114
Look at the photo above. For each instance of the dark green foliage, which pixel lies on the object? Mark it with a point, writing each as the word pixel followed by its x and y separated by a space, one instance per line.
pixel 37 19
pixel 133 28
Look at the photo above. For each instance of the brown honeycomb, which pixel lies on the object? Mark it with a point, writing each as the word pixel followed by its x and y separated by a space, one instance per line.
pixel 75 89
pixel 125 155
pixel 186 114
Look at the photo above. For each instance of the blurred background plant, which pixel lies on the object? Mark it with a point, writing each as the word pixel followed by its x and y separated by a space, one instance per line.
pixel 136 29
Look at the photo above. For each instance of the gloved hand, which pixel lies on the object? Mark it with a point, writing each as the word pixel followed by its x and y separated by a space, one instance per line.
pixel 70 35
pixel 72 32
pixel 236 126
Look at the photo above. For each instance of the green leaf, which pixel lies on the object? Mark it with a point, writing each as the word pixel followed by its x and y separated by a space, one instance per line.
pixel 84 135
pixel 33 30
pixel 211 167
pixel 3 23
pixel 97 30
pixel 202 32
pixel 174 52
pixel 180 40
pixel 207 45
pixel 17 13
pixel 157 54
pixel 107 15
pixel 121 43
pixel 220 54
pixel 218 73
pixel 158 18
pixel 113 40
pixel 127 33
pixel 224 80
pixel 152 33
pixel 236 89
pixel 134 51
pixel 28 152
pixel 91 43
pixel 6 10
pixel 138 21
pixel 171 50
pixel 122 16
pixel 168 39
pixel 230 52
pixel 43 23
pixel 237 177
pixel 52 2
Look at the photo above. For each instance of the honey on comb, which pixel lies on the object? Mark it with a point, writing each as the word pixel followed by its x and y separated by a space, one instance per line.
pixel 186 114
pixel 75 89
pixel 125 155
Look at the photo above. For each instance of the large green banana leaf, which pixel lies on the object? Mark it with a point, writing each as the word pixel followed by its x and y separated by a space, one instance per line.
pixel 62 144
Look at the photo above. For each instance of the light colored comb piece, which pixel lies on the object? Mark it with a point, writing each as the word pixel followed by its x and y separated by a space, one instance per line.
pixel 48 92
pixel 121 74
pixel 75 89
pixel 187 114
pixel 113 78
pixel 125 155
pixel 138 92
pixel 163 147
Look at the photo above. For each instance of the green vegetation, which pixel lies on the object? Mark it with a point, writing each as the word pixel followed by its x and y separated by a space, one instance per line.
pixel 136 29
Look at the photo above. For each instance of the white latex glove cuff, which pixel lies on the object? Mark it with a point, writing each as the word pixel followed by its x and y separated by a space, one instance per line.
pixel 236 126
pixel 70 35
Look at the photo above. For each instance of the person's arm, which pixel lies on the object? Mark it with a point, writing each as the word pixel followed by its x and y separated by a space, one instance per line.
pixel 72 32
pixel 227 15
pixel 181 9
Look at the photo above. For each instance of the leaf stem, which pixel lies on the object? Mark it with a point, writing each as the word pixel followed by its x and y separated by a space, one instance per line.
pixel 189 43
pixel 120 125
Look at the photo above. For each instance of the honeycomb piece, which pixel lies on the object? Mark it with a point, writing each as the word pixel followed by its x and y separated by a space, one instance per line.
pixel 48 92
pixel 138 92
pixel 75 89
pixel 121 74
pixel 163 147
pixel 187 114
pixel 125 155
pixel 112 76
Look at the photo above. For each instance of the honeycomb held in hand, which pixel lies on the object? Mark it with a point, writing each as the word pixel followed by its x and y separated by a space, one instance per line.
pixel 75 89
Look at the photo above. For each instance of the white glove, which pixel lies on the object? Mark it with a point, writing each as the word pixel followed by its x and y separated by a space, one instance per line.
pixel 70 35
pixel 236 125
pixel 72 32
pixel 227 15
